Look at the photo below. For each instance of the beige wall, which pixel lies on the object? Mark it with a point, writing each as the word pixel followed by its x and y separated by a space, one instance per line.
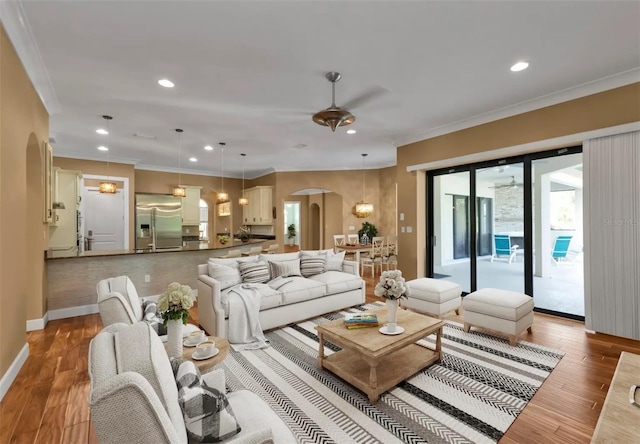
pixel 610 108
pixel 24 126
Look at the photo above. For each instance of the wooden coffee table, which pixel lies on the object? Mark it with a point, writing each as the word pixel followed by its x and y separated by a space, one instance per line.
pixel 374 362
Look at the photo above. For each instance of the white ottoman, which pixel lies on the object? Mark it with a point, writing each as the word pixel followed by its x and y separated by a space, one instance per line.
pixel 433 296
pixel 505 311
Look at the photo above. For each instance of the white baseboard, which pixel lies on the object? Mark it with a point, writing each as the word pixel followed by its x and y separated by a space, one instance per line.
pixel 12 372
pixel 38 324
pixel 71 312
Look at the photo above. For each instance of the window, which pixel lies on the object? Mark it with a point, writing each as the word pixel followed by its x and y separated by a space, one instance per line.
pixel 562 210
pixel 204 220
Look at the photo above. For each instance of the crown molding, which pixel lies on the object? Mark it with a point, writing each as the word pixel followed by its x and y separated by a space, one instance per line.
pixel 574 92
pixel 17 27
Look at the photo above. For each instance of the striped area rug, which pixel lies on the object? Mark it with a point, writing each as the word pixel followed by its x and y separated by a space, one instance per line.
pixel 472 396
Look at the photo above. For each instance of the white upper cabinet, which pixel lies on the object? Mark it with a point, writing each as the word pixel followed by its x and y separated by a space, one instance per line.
pixel 260 208
pixel 191 206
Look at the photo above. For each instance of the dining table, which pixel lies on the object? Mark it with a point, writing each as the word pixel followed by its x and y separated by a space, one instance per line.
pixel 356 249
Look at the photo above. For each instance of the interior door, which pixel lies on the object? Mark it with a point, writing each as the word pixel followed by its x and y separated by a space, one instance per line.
pixel 104 217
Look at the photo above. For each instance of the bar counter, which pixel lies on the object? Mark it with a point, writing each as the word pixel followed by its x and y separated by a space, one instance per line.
pixel 72 280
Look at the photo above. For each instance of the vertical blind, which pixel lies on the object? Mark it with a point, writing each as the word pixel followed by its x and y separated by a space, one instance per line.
pixel 612 234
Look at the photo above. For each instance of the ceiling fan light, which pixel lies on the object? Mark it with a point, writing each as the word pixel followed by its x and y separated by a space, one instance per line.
pixel 108 188
pixel 333 118
pixel 363 209
pixel 179 192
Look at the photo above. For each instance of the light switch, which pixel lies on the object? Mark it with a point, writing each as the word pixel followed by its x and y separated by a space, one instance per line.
pixel 402 229
pixel 187 230
pixel 401 216
pixel 352 227
pixel 409 230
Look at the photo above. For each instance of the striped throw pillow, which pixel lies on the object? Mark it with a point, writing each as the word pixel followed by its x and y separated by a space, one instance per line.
pixel 310 265
pixel 257 272
pixel 285 268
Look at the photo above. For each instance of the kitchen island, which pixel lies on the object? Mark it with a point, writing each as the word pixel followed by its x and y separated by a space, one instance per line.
pixel 71 281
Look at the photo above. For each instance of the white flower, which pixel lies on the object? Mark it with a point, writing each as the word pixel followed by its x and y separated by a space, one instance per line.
pixel 391 285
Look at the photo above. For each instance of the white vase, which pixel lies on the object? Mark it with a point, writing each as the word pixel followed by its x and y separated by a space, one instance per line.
pixel 392 315
pixel 174 338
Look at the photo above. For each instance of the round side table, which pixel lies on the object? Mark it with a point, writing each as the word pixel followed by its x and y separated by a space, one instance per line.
pixel 207 364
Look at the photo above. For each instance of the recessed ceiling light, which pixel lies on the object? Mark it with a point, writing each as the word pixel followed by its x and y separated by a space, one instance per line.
pixel 351 131
pixel 208 148
pixel 102 131
pixel 103 148
pixel 166 83
pixel 193 159
pixel 520 66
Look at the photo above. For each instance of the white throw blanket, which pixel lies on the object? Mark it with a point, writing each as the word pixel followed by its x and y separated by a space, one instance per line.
pixel 245 332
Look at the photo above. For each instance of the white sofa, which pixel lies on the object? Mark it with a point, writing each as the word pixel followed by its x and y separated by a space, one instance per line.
pixel 301 298
pixel 134 396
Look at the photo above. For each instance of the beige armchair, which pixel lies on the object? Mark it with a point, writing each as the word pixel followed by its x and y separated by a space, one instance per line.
pixel 134 397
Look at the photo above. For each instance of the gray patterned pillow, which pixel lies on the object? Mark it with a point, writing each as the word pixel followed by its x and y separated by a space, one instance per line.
pixel 312 265
pixel 257 272
pixel 208 417
pixel 285 268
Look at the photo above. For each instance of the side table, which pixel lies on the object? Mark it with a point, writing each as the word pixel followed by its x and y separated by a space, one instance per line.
pixel 207 364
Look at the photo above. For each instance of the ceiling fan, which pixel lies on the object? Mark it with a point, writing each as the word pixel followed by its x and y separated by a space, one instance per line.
pixel 334 116
pixel 512 184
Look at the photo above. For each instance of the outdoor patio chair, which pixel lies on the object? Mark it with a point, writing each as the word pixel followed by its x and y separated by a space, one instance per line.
pixel 502 247
pixel 561 248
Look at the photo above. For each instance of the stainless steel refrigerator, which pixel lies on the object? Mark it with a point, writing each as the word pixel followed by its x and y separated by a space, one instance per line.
pixel 158 222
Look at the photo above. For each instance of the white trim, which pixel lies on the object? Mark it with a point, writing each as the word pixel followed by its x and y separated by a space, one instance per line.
pixel 38 324
pixel 72 312
pixel 17 27
pixel 526 147
pixel 13 370
pixel 125 195
pixel 572 93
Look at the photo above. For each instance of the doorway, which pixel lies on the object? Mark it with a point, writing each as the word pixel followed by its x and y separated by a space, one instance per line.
pixel 460 227
pixel 105 215
pixel 292 216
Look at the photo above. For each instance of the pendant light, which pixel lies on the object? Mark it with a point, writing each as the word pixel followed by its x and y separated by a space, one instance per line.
pixel 243 200
pixel 179 191
pixel 107 187
pixel 363 209
pixel 222 196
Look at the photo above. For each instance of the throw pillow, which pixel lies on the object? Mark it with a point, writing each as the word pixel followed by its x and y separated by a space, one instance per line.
pixel 285 268
pixel 257 272
pixel 312 265
pixel 278 283
pixel 334 262
pixel 227 275
pixel 208 417
pixel 151 317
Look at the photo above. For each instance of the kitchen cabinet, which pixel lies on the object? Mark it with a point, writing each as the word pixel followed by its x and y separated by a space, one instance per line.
pixel 191 206
pixel 259 211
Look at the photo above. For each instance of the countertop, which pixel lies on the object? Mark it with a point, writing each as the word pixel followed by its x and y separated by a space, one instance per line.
pixel 202 246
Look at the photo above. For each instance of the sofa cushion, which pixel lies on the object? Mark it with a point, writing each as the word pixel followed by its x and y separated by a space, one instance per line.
pixel 334 261
pixel 284 268
pixel 207 414
pixel 227 275
pixel 257 272
pixel 269 297
pixel 301 289
pixel 317 252
pixel 311 265
pixel 280 257
pixel 338 281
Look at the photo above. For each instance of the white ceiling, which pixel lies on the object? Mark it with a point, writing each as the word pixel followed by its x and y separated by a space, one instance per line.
pixel 251 73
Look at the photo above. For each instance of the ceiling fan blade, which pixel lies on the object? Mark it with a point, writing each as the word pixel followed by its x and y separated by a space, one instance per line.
pixel 370 94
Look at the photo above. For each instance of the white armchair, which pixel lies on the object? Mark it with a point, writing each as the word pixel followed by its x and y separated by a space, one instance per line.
pixel 134 398
pixel 118 301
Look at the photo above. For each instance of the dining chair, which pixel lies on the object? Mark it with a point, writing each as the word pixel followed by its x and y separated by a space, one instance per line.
pixel 339 240
pixel 252 251
pixel 390 257
pixel 353 239
pixel 375 255
pixel 272 249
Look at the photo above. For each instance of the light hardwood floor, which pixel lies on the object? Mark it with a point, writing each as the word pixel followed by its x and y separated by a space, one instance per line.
pixel 47 403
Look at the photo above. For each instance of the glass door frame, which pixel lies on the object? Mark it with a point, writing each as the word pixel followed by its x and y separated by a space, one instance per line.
pixel 472 169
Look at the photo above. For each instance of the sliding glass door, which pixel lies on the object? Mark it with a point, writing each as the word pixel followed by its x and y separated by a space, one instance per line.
pixel 513 224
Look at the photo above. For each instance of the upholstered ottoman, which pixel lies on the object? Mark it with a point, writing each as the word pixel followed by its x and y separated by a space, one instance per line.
pixel 505 311
pixel 433 296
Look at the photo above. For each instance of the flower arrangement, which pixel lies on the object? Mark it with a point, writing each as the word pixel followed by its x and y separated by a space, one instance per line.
pixel 244 233
pixel 391 286
pixel 175 302
pixel 223 239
